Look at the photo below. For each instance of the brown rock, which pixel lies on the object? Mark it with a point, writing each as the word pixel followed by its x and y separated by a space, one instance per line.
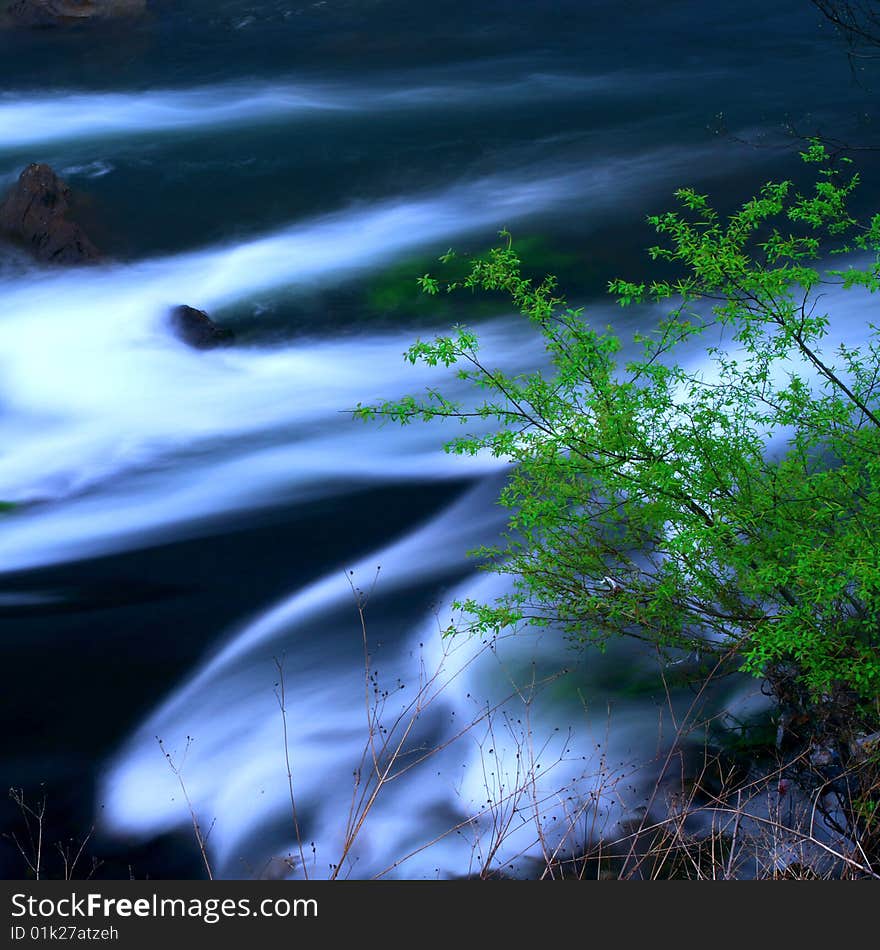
pixel 34 214
pixel 197 329
pixel 61 12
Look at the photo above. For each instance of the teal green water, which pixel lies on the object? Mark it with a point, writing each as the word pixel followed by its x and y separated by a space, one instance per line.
pixel 293 167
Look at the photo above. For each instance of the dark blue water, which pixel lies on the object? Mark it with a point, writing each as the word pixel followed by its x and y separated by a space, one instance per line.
pixel 292 167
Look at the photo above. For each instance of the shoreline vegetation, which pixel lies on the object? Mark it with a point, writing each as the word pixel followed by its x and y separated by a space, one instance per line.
pixel 728 512
pixel 729 801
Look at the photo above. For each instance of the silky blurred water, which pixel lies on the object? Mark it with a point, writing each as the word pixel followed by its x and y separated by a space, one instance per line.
pixel 184 519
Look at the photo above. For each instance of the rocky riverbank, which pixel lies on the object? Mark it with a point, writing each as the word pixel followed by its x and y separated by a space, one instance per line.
pixel 55 13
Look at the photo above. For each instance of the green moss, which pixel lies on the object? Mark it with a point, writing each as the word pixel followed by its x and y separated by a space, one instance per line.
pixel 396 288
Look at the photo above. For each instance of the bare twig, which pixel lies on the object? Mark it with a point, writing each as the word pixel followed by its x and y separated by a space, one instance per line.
pixel 201 839
pixel 281 696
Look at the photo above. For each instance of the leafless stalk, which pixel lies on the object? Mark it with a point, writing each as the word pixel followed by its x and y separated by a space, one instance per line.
pixel 70 858
pixel 34 818
pixel 280 695
pixel 177 769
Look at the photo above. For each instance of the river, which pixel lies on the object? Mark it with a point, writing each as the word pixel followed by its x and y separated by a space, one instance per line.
pixel 184 519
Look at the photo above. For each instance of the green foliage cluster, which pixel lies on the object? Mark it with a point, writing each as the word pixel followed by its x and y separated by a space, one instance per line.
pixel 394 291
pixel 733 509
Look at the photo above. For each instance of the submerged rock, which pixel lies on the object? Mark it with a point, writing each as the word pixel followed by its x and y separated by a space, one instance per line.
pixel 34 214
pixel 197 329
pixel 65 12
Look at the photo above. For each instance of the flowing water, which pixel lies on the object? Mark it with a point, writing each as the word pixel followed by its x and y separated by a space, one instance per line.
pixel 184 519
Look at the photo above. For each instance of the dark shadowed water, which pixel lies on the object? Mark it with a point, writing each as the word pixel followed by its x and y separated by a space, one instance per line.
pixel 183 518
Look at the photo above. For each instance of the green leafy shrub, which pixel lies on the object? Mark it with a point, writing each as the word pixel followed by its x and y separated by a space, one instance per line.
pixel 733 509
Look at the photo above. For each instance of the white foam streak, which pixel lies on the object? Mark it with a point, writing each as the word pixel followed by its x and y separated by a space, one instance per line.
pixel 31 120
pixel 235 765
pixel 93 386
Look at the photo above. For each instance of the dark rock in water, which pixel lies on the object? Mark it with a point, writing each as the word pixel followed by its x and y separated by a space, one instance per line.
pixel 66 12
pixel 34 213
pixel 197 329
